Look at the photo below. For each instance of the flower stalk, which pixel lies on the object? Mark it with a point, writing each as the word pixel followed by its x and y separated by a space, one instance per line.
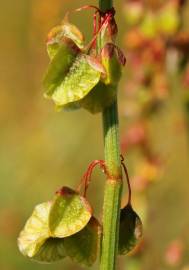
pixel 113 186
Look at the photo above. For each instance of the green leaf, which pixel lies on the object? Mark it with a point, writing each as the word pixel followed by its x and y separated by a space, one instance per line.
pixel 77 83
pixel 59 66
pixel 99 98
pixel 83 246
pixel 69 213
pixel 130 230
pixel 35 231
pixel 51 251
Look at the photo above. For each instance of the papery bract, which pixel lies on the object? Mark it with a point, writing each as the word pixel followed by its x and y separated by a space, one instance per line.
pixel 69 213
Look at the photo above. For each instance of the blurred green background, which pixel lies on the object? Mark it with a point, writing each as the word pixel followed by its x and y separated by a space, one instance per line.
pixel 42 150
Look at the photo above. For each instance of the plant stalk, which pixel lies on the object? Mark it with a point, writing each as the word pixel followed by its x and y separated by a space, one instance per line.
pixel 113 186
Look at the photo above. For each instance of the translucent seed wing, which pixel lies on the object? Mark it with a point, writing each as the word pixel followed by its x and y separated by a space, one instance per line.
pixel 69 213
pixel 83 247
pixel 35 231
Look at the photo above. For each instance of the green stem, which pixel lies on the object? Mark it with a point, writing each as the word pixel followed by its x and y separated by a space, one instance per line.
pixel 105 4
pixel 113 187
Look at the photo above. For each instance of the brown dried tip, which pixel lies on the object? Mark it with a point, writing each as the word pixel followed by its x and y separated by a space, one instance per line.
pixel 65 191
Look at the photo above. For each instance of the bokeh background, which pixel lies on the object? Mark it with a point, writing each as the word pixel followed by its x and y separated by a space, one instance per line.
pixel 41 149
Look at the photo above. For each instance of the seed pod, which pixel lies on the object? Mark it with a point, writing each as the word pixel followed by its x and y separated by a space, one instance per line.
pixel 69 213
pixel 130 230
pixel 83 246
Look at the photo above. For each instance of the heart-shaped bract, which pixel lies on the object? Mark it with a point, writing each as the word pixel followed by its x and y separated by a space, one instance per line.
pixel 69 213
pixel 75 78
pixel 130 230
pixel 83 246
pixel 71 74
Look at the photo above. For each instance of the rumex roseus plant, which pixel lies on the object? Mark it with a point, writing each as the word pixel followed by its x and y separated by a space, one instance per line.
pixel 85 76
